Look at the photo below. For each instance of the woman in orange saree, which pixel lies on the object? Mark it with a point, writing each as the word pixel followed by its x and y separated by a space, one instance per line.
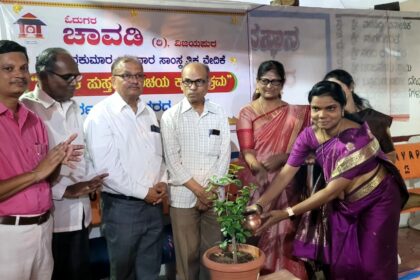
pixel 267 129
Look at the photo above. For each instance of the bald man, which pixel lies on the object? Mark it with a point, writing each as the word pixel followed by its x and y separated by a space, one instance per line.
pixel 196 139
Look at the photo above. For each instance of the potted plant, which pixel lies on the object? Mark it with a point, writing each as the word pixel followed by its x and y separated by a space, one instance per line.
pixel 232 259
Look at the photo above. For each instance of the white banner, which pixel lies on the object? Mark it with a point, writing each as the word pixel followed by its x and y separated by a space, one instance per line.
pixel 163 40
pixel 378 48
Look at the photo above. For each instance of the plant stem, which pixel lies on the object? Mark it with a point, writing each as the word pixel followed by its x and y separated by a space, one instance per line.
pixel 234 250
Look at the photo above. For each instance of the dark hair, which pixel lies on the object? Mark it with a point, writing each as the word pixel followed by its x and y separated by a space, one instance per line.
pixel 328 88
pixel 266 66
pixel 345 77
pixel 334 90
pixel 47 58
pixel 7 46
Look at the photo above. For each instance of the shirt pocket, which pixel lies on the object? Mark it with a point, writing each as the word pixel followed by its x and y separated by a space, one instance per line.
pixel 156 142
pixel 215 142
pixel 39 151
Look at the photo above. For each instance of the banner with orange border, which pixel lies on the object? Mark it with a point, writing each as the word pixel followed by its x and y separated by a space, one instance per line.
pixel 99 84
pixel 162 40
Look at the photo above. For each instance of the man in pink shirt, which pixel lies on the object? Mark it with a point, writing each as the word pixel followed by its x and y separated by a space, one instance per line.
pixel 25 166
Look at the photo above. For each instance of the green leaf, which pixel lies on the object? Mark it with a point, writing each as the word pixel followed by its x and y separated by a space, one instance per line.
pixel 230 213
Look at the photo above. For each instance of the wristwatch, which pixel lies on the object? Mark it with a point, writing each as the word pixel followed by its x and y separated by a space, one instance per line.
pixel 289 211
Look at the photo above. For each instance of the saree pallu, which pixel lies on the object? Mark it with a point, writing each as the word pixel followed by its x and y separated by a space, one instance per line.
pixel 312 240
pixel 269 134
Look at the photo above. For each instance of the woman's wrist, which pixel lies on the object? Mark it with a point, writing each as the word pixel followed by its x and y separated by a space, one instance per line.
pixel 291 213
pixel 260 209
pixel 256 166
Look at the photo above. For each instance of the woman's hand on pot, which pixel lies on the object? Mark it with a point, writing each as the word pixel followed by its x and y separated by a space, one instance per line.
pixel 254 208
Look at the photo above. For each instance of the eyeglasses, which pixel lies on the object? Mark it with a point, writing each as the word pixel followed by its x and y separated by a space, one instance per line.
pixel 129 77
pixel 69 78
pixel 197 83
pixel 275 82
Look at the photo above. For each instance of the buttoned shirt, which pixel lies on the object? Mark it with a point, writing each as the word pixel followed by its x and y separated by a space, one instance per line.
pixel 125 144
pixel 24 143
pixel 196 146
pixel 63 119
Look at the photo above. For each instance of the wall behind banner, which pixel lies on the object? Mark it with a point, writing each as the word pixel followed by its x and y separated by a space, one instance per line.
pixel 377 47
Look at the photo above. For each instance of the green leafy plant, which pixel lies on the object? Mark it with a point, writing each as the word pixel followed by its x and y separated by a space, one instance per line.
pixel 230 210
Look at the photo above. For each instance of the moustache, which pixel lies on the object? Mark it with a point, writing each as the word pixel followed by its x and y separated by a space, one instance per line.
pixel 19 81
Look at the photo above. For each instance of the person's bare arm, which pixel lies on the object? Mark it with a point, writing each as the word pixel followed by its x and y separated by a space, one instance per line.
pixel 257 168
pixel 200 192
pixel 279 183
pixel 11 186
pixel 85 187
pixel 330 192
pixel 275 162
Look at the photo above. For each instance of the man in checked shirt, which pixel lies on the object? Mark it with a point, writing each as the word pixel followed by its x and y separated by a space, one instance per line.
pixel 196 140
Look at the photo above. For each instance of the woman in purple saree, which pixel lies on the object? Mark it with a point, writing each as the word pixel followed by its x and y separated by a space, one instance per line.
pixel 364 191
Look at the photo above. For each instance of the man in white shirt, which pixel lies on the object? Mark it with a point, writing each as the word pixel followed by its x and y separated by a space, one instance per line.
pixel 52 101
pixel 123 137
pixel 196 140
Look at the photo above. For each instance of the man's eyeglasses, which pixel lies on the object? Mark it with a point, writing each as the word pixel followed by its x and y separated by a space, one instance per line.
pixel 69 78
pixel 275 82
pixel 129 77
pixel 197 83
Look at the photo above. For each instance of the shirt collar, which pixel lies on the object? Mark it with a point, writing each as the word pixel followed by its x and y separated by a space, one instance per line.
pixel 42 97
pixel 22 112
pixel 208 106
pixel 119 104
pixel 3 109
pixel 185 105
pixel 47 101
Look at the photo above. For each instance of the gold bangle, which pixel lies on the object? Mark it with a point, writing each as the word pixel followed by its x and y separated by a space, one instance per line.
pixel 260 209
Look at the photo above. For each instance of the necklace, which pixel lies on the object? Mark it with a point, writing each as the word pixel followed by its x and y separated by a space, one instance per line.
pixel 261 107
pixel 265 114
